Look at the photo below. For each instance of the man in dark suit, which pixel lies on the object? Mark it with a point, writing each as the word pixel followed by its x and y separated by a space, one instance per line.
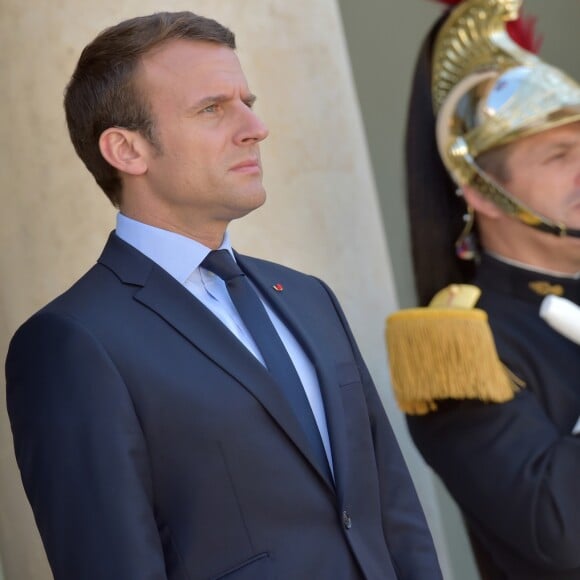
pixel 158 433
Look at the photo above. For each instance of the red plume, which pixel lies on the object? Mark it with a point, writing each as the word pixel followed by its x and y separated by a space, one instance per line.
pixel 522 30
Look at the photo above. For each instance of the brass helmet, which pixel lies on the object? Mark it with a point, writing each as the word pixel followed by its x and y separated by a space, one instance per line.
pixel 488 91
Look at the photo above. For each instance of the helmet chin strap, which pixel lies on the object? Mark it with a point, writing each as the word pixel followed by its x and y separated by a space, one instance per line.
pixel 491 189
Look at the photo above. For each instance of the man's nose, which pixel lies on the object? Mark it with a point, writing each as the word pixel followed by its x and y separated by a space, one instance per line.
pixel 252 128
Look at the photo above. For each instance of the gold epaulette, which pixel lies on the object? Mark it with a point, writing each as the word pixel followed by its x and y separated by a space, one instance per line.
pixel 445 351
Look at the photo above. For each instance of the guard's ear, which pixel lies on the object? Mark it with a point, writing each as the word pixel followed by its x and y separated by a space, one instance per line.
pixel 480 203
pixel 124 149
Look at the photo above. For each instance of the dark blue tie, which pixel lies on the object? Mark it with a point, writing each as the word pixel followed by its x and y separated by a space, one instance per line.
pixel 275 355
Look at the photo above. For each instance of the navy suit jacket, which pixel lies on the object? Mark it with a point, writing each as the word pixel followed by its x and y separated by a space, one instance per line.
pixel 152 445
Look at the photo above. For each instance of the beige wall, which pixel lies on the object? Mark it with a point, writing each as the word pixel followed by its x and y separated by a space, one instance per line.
pixel 322 215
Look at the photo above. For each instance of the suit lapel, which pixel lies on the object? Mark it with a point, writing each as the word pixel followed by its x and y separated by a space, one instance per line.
pixel 159 292
pixel 287 305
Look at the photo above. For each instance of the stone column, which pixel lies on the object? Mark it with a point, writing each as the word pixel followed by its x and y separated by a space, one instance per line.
pixel 322 215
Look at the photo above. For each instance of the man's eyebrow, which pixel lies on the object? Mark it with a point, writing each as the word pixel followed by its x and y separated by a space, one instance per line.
pixel 222 98
pixel 561 144
pixel 210 100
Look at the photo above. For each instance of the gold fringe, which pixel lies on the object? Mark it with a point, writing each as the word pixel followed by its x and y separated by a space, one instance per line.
pixel 444 353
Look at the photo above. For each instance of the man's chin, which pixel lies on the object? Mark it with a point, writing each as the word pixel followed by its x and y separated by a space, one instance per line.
pixel 255 199
pixel 248 202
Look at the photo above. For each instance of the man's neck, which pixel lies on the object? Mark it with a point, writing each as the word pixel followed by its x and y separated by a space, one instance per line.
pixel 210 235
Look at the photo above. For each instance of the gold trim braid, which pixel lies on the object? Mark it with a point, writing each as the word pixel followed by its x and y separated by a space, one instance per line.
pixel 445 353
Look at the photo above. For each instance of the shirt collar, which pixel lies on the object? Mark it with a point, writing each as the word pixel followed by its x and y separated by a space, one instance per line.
pixel 175 253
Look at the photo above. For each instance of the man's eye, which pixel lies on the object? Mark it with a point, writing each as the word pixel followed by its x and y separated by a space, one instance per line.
pixel 556 157
pixel 209 109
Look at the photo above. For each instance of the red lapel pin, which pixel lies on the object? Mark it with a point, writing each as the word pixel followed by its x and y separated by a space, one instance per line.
pixel 278 287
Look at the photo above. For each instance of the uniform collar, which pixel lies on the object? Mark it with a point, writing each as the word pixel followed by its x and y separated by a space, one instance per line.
pixel 524 282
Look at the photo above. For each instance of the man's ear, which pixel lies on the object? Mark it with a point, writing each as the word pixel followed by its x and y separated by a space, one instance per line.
pixel 480 203
pixel 125 150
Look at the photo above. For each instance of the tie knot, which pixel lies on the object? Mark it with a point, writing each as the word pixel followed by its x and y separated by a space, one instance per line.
pixel 221 263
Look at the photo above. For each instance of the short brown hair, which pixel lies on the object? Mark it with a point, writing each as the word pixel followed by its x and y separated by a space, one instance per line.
pixel 102 91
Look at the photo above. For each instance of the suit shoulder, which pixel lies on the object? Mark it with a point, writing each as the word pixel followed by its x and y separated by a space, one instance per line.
pixel 89 293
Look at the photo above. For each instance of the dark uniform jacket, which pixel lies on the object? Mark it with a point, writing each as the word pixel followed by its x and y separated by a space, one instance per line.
pixel 514 468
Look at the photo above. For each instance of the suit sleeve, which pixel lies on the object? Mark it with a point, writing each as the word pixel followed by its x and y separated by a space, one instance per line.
pixel 81 453
pixel 405 528
pixel 511 472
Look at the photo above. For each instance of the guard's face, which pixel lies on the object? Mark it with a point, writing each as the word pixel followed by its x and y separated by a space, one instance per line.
pixel 208 169
pixel 544 173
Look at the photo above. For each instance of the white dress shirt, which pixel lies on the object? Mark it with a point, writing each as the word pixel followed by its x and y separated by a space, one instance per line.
pixel 181 257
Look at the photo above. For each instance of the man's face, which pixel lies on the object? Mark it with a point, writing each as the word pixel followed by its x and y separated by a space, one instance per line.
pixel 208 168
pixel 544 173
